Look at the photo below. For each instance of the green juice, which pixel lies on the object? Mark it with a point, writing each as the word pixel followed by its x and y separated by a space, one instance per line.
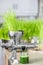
pixel 24 59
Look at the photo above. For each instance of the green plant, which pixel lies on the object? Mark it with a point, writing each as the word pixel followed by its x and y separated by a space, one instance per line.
pixel 31 27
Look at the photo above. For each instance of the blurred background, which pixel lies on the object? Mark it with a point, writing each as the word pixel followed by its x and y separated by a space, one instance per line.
pixel 24 9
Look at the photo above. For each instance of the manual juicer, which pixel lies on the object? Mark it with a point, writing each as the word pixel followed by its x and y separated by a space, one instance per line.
pixel 17 44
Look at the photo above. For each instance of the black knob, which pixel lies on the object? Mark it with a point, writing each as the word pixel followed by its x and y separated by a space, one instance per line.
pixel 23 48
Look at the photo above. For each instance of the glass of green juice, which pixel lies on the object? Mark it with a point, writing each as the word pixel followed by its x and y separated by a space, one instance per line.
pixel 24 59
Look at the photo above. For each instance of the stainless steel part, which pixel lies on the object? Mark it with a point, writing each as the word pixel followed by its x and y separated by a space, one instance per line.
pixel 20 46
pixel 15 36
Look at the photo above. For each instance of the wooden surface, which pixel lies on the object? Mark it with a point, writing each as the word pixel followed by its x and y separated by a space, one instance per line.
pixel 35 57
